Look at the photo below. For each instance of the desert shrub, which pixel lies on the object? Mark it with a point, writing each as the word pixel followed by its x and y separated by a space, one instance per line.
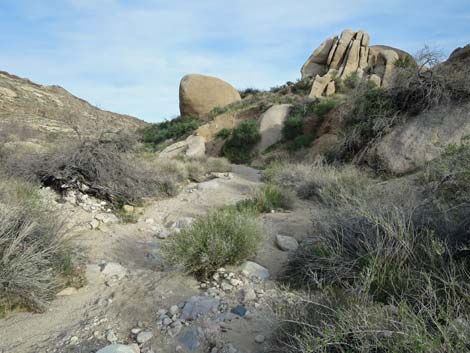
pixel 94 166
pixel 349 322
pixel 302 87
pixel 223 237
pixel 223 134
pixel 448 176
pixel 238 148
pixel 249 91
pixel 315 179
pixel 324 107
pixel 34 258
pixel 293 127
pixel 267 198
pixel 398 282
pixel 155 134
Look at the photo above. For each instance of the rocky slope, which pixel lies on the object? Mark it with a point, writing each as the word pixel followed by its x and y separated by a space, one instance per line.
pixel 32 111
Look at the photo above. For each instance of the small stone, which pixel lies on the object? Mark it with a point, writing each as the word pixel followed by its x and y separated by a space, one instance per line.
pixel 114 270
pixel 236 282
pixel 143 337
pixel 118 348
pixel 226 287
pixel 239 310
pixel 190 339
pixel 166 321
pixel 136 331
pixel 249 295
pixel 197 306
pixel 259 338
pixel 286 243
pixel 252 269
pixel 111 337
pixel 73 340
pixel 174 309
pixel 163 234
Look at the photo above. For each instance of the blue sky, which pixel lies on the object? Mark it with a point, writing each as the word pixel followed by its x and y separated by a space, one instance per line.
pixel 128 56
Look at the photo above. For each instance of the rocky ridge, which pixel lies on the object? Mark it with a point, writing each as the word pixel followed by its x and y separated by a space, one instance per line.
pixel 348 54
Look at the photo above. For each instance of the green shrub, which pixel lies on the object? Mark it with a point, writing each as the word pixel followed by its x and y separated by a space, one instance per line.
pixel 267 198
pixel 223 237
pixel 172 129
pixel 223 134
pixel 34 258
pixel 302 87
pixel 238 148
pixel 293 127
pixel 324 107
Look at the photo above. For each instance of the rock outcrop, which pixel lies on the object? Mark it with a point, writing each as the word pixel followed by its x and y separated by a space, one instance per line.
pixel 193 146
pixel 271 123
pixel 348 54
pixel 199 94
pixel 422 139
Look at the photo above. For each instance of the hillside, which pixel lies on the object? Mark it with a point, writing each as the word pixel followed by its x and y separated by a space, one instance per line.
pixel 32 111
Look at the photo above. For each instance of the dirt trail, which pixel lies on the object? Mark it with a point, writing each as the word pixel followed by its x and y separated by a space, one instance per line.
pixel 81 322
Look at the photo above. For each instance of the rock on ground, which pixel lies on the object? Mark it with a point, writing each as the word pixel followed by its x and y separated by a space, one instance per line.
pixel 197 306
pixel 117 348
pixel 199 94
pixel 193 146
pixel 252 269
pixel 286 243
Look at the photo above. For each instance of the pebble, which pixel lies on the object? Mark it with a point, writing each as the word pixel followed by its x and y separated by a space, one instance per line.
pixel 249 295
pixel 73 340
pixel 239 310
pixel 111 336
pixel 136 331
pixel 286 243
pixel 144 337
pixel 174 309
pixel 259 338
pixel 166 321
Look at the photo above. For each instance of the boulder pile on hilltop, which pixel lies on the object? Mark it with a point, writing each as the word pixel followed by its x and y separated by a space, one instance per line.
pixel 350 54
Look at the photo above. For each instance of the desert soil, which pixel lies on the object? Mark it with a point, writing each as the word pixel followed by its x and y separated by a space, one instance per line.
pixel 107 308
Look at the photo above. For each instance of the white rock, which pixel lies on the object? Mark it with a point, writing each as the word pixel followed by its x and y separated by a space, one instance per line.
pixel 106 218
pixel 286 243
pixel 114 270
pixel 259 338
pixel 249 295
pixel 252 269
pixel 117 348
pixel 144 337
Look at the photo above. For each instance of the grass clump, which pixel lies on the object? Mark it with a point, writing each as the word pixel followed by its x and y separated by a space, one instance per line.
pixel 155 134
pixel 238 148
pixel 387 275
pixel 223 237
pixel 34 258
pixel 267 198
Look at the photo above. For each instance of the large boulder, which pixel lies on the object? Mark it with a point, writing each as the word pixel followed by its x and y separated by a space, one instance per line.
pixel 422 139
pixel 199 94
pixel 349 54
pixel 271 123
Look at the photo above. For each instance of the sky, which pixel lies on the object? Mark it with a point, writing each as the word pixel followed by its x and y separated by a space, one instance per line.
pixel 128 56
